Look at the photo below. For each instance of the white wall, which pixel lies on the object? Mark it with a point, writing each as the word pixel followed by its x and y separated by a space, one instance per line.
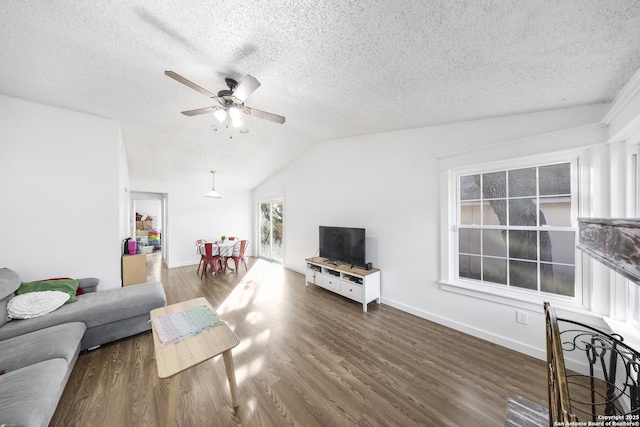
pixel 61 189
pixel 191 216
pixel 125 224
pixel 389 184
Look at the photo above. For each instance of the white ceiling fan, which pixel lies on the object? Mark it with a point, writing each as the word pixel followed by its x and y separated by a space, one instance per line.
pixel 231 102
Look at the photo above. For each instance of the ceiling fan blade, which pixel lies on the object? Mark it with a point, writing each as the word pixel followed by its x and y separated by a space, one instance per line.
pixel 199 111
pixel 264 115
pixel 247 86
pixel 192 85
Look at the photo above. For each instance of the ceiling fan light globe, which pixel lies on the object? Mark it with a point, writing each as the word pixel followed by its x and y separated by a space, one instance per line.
pixel 220 115
pixel 234 112
pixel 236 117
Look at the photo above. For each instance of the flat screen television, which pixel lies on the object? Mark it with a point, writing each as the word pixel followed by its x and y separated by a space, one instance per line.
pixel 343 244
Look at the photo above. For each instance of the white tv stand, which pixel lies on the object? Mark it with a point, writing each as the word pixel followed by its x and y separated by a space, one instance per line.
pixel 354 283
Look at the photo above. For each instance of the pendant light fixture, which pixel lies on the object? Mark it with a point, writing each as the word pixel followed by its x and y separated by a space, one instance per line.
pixel 213 194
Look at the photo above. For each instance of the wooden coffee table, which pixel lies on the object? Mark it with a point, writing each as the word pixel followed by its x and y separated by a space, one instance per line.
pixel 175 358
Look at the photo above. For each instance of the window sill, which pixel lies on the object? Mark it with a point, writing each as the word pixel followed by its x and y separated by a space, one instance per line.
pixel 524 301
pixel 628 331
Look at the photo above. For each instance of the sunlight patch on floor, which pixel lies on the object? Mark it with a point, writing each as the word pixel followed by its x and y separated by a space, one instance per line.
pixel 254 317
pixel 249 370
pixel 251 404
pixel 263 282
pixel 244 345
pixel 263 336
pixel 274 284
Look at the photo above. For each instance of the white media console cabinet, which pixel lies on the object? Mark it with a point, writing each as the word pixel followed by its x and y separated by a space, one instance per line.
pixel 354 283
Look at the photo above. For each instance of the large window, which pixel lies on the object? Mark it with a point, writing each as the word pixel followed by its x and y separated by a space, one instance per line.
pixel 516 228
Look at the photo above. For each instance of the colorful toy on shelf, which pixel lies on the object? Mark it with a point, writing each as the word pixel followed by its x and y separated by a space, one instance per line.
pixel 154 238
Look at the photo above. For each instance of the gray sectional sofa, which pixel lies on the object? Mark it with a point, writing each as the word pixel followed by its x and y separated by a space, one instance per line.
pixel 37 355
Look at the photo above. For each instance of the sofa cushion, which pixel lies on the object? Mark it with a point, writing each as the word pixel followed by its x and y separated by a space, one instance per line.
pixel 68 286
pixel 29 396
pixel 95 309
pixel 56 342
pixel 35 304
pixel 124 303
pixel 4 316
pixel 88 284
pixel 9 282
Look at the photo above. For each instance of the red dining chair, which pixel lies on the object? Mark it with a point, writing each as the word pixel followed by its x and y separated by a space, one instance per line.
pixel 232 238
pixel 199 243
pixel 211 259
pixel 238 254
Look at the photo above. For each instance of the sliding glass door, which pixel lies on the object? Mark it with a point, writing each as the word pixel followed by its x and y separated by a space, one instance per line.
pixel 271 229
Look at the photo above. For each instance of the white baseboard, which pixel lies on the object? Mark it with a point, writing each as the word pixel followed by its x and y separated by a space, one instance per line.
pixel 182 264
pixel 292 268
pixel 487 336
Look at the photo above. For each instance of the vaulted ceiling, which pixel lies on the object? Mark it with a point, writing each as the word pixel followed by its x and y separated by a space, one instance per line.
pixel 332 68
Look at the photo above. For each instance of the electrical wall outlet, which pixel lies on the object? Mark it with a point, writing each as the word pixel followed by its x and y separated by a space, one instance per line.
pixel 522 317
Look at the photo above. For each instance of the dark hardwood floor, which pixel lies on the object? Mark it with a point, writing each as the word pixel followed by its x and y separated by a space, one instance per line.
pixel 307 357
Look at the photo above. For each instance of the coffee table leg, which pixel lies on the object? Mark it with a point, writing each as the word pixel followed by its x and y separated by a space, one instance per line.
pixel 231 375
pixel 171 401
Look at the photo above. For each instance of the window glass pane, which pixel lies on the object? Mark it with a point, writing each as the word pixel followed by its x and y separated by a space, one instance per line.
pixel 522 182
pixel 555 179
pixel 494 243
pixel 470 213
pixel 558 246
pixel 470 187
pixel 277 245
pixel 469 240
pixel 469 267
pixel 495 212
pixel 523 212
pixel 523 244
pixel 523 274
pixel 515 229
pixel 555 211
pixel 495 270
pixel 265 230
pixel 494 185
pixel 557 279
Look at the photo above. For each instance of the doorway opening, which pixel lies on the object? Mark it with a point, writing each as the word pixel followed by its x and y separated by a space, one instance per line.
pixel 149 220
pixel 271 230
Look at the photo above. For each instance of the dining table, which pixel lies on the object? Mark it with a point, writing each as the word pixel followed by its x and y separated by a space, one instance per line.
pixel 226 249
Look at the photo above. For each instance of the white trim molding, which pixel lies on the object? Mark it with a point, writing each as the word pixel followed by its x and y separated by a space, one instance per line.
pixel 568 139
pixel 623 118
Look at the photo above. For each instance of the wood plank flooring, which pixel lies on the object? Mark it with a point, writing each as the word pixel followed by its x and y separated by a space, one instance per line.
pixel 307 357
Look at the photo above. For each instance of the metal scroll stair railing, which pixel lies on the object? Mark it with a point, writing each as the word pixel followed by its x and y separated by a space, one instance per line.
pixel 592 376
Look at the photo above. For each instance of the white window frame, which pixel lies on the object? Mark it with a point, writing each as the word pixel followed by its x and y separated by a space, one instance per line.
pixel 580 178
pixel 270 200
pixel 633 294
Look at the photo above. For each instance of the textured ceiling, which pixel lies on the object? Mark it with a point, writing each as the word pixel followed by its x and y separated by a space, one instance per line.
pixel 333 68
